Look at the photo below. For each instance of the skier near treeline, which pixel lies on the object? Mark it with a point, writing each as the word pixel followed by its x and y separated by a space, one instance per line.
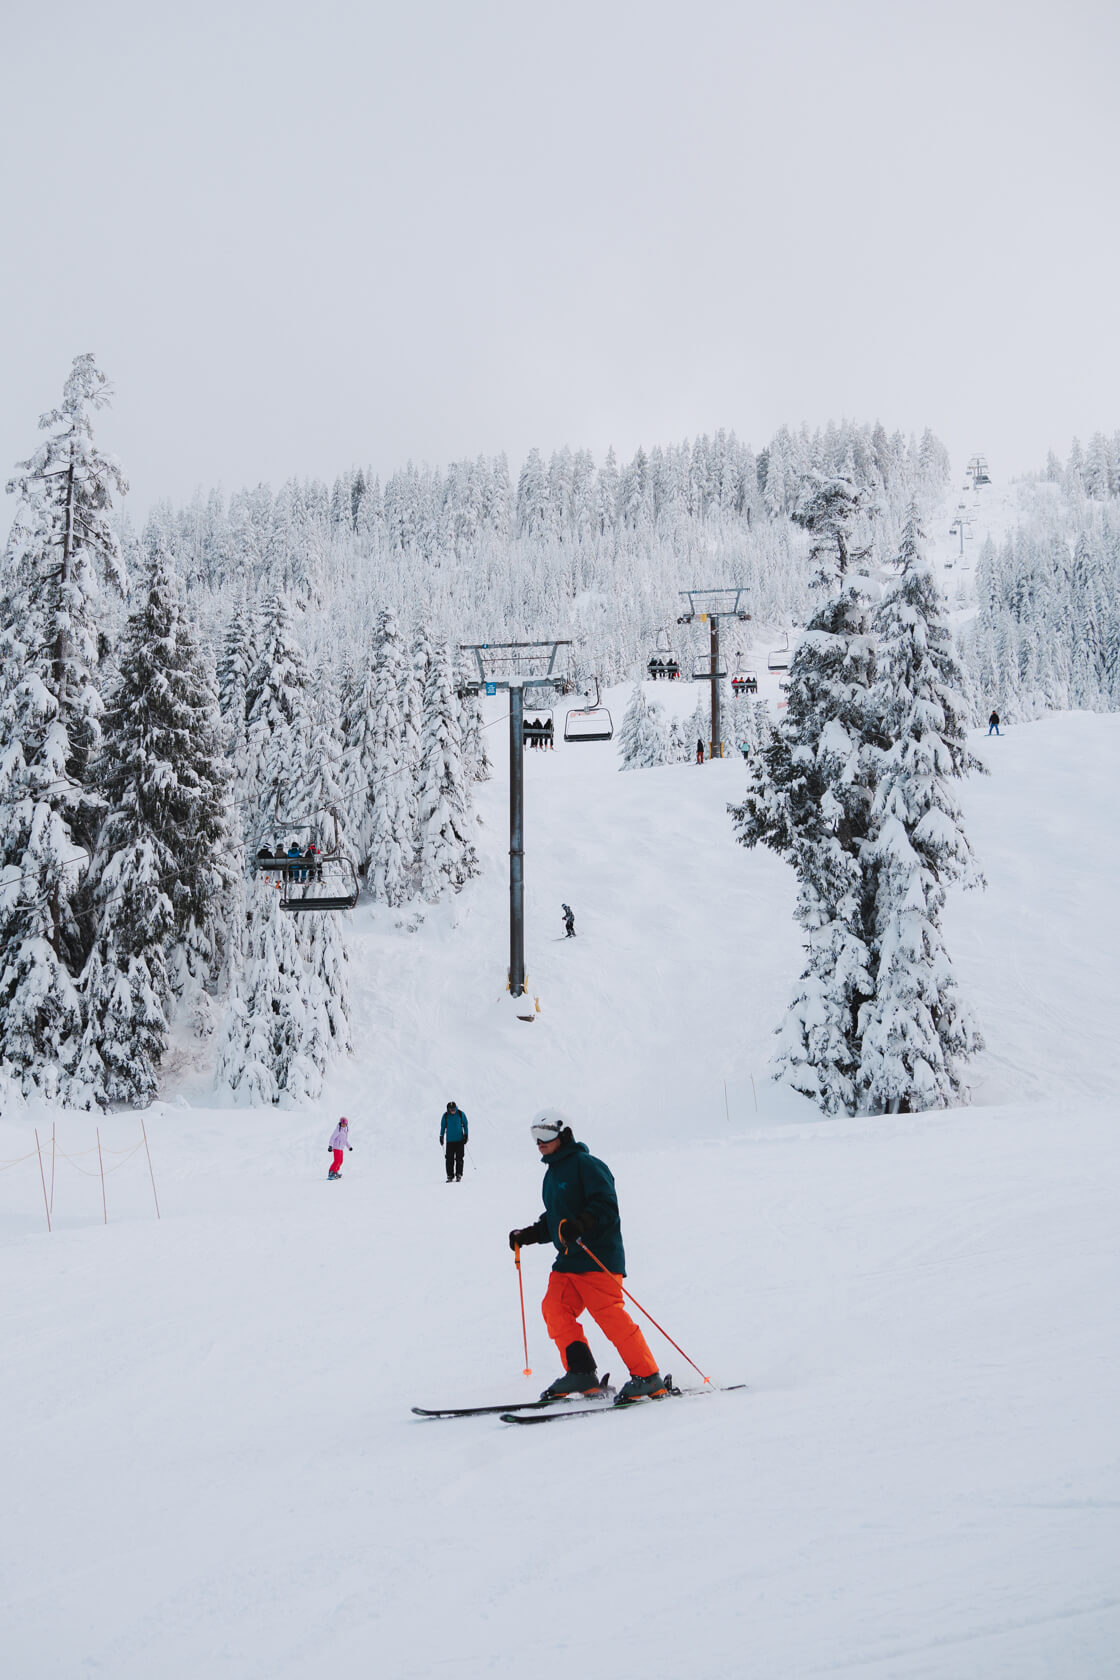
pixel 453 1135
pixel 699 752
pixel 993 724
pixel 580 1203
pixel 569 921
pixel 340 1140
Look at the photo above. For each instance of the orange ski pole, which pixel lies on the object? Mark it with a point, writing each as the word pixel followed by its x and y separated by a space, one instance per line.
pixel 641 1309
pixel 527 1372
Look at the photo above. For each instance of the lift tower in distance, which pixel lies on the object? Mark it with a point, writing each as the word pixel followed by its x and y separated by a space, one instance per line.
pixel 709 606
pixel 516 666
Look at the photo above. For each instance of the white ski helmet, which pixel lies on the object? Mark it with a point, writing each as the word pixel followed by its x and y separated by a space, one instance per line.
pixel 547 1124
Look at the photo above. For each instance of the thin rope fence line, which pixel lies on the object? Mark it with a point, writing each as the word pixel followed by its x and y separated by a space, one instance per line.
pixel 126 1160
pixel 88 1171
pixel 4 1165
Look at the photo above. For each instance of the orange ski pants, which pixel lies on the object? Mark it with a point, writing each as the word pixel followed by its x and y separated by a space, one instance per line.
pixel 600 1293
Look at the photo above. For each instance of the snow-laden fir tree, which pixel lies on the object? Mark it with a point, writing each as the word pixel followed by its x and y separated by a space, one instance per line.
pixel 478 765
pixel 391 858
pixel 61 549
pixel 916 1032
pixel 447 854
pixel 360 758
pixel 679 752
pixel 643 738
pixel 809 798
pixel 412 717
pixel 699 724
pixel 261 1054
pixel 317 791
pixel 164 854
pixel 278 698
pixel 235 667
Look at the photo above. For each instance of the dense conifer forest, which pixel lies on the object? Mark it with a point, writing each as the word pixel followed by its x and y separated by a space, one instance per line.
pixel 278 670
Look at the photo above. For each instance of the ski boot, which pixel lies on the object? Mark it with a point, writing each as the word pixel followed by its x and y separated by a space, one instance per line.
pixel 642 1388
pixel 581 1376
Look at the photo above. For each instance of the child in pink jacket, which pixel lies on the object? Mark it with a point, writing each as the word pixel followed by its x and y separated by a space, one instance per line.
pixel 340 1140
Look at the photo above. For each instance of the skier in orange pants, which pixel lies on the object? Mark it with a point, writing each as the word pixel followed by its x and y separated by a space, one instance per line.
pixel 580 1201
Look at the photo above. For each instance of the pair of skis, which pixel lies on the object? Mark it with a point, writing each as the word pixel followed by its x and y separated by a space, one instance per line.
pixel 551 1411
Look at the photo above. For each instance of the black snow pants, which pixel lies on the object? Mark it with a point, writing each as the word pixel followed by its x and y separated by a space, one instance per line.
pixel 454 1158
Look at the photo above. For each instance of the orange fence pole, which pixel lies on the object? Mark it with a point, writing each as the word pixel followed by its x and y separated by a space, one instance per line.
pixel 43 1179
pixel 151 1174
pixel 101 1164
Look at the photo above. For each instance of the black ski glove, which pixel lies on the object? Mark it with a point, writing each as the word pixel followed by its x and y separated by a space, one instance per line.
pixel 575 1226
pixel 522 1239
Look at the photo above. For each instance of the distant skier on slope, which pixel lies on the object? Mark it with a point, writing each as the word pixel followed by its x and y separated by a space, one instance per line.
pixel 453 1135
pixel 569 921
pixel 580 1202
pixel 699 752
pixel 340 1140
pixel 993 724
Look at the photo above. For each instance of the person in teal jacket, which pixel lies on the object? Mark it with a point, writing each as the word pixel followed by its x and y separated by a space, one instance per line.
pixel 581 1220
pixel 453 1135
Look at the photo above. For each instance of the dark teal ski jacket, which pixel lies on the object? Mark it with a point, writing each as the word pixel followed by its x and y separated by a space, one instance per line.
pixel 453 1127
pixel 576 1183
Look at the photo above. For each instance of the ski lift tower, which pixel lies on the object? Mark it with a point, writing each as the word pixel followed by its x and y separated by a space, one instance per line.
pixel 516 666
pixel 709 606
pixel 962 525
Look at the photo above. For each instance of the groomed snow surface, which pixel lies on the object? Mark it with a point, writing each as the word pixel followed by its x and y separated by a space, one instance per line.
pixel 210 1466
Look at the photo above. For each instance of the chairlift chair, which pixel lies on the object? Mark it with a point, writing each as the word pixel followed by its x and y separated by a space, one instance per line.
pixel 323 881
pixel 662 662
pixel 589 723
pixel 702 670
pixel 539 729
pixel 778 658
pixel 744 682
pixel 328 882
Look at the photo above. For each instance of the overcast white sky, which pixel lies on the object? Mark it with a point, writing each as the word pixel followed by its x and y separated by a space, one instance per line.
pixel 304 236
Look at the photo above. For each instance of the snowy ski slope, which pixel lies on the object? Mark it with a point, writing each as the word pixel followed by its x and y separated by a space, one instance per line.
pixel 210 1465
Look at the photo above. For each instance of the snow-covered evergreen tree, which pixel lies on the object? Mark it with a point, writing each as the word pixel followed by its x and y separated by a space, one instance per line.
pixel 262 1053
pixel 325 1020
pixel 164 854
pixel 235 667
pixel 809 799
pixel 61 548
pixel 643 738
pixel 478 765
pixel 360 757
pixel 390 858
pixel 412 719
pixel 915 1031
pixel 447 854
pixel 679 749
